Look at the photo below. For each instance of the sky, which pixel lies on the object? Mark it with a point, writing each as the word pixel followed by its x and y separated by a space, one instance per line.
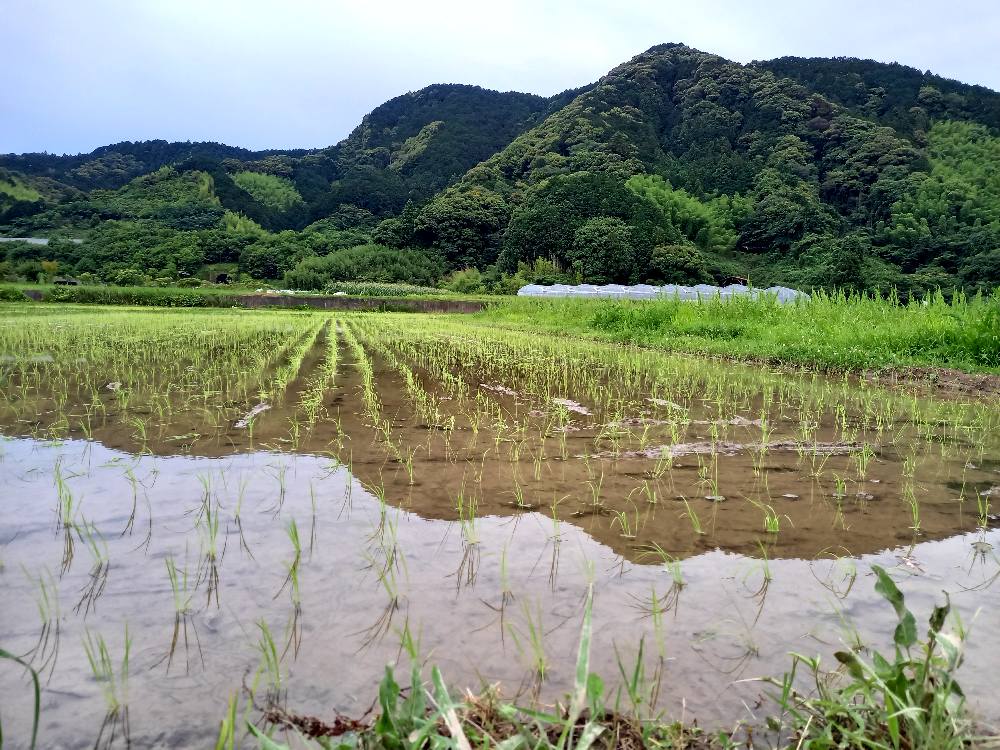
pixel 302 73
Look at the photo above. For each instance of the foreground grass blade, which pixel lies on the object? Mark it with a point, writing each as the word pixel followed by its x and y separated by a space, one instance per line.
pixel 38 696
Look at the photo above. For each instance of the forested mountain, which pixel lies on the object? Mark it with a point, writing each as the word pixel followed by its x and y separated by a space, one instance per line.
pixel 895 94
pixel 111 167
pixel 678 165
pixel 414 145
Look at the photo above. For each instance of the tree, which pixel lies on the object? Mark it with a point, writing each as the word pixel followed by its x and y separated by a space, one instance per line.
pixel 844 267
pixel 129 277
pixel 603 251
pixel 50 268
pixel 463 226
pixel 546 222
pixel 678 264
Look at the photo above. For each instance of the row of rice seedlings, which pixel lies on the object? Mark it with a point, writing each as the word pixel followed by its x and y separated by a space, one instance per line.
pixel 311 399
pixel 373 404
pixel 288 370
pixel 158 362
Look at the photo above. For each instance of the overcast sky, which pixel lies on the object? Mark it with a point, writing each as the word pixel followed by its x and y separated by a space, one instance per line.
pixel 77 74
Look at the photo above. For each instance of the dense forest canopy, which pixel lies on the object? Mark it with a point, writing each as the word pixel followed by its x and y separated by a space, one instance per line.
pixel 677 166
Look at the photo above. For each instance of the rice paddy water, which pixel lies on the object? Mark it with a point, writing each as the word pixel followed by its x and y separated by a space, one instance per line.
pixel 209 512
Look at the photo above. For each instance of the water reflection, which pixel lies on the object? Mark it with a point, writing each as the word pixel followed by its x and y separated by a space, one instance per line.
pixel 284 571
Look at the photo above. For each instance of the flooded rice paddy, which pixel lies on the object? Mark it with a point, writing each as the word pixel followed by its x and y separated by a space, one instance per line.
pixel 201 505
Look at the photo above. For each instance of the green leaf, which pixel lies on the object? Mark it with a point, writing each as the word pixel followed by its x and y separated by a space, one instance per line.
pixel 906 631
pixel 263 741
pixel 590 733
pixel 38 695
pixel 888 589
pixel 448 711
pixel 388 694
pixel 581 680
pixel 595 691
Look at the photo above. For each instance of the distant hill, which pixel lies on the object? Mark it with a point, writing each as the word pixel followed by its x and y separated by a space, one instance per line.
pixel 111 167
pixel 678 165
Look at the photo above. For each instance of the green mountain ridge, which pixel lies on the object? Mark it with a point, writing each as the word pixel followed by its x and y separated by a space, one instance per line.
pixel 678 165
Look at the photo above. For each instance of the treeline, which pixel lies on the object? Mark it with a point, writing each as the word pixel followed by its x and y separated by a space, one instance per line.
pixel 677 167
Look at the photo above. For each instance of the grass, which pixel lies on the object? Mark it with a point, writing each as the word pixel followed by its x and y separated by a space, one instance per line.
pixel 828 332
pixel 907 700
pixel 36 693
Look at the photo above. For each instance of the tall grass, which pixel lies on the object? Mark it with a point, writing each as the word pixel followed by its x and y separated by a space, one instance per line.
pixel 833 331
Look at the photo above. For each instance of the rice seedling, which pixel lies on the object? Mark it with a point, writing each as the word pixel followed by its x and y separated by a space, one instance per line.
pixel 44 654
pixel 100 566
pixel 183 593
pixel 113 678
pixel 692 516
pixel 629 527
pixel 292 575
pixel 269 668
pixel 529 639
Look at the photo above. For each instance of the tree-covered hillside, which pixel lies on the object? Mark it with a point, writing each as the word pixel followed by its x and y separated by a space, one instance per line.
pixel 895 94
pixel 809 192
pixel 416 144
pixel 677 166
pixel 111 167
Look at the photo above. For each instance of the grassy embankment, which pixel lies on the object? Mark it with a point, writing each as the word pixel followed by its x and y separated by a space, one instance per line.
pixel 828 332
pixel 215 296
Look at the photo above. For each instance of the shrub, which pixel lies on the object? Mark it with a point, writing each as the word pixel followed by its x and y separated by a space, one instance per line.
pixel 128 277
pixel 375 289
pixel 365 263
pixel 466 281
pixel 142 296
pixel 12 294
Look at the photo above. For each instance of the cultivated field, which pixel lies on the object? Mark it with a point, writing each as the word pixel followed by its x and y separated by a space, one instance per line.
pixel 213 514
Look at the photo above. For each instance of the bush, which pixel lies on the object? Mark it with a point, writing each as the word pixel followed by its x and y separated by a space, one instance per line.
pixel 466 281
pixel 128 277
pixel 188 283
pixel 375 289
pixel 12 294
pixel 142 296
pixel 365 263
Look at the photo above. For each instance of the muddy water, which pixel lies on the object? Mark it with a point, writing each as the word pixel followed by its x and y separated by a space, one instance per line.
pixel 569 487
